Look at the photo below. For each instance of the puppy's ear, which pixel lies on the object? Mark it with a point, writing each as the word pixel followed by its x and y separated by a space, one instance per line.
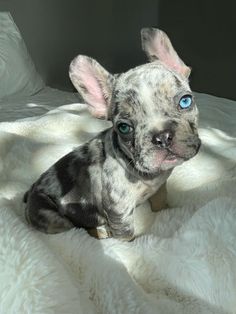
pixel 93 82
pixel 157 45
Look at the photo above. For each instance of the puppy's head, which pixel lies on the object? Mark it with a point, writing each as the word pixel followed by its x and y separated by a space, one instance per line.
pixel 152 108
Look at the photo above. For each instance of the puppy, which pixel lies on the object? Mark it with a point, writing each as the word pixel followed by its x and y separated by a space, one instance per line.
pixel 154 129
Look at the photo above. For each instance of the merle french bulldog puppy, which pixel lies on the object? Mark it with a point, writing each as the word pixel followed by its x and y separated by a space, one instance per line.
pixel 154 129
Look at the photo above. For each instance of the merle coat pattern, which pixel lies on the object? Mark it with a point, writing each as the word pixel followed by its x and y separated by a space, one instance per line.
pixel 101 182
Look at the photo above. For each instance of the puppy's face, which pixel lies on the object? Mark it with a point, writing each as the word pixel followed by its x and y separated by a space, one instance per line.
pixel 152 108
pixel 155 117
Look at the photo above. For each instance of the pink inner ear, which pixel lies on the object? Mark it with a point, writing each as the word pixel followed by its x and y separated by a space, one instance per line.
pixel 88 78
pixel 98 113
pixel 94 95
pixel 166 53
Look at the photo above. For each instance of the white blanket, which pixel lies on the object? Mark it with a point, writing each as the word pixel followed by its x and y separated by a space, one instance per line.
pixel 184 259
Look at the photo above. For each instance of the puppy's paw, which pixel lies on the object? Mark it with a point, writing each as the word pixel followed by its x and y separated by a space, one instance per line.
pixel 101 232
pixel 126 237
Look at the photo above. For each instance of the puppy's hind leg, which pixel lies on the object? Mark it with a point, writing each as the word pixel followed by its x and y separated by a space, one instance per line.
pixel 45 218
pixel 48 221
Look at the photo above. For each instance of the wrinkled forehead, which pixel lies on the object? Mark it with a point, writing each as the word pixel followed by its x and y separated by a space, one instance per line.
pixel 148 86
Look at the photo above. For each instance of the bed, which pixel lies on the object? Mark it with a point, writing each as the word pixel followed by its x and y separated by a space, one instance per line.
pixel 184 257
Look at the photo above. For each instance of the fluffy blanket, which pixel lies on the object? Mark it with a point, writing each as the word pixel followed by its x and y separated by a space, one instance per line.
pixel 184 259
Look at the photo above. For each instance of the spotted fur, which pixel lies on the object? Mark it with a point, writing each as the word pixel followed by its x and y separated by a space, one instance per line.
pixel 101 183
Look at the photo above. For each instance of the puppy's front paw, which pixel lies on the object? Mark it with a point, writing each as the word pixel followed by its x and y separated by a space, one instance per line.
pixel 127 236
pixel 101 232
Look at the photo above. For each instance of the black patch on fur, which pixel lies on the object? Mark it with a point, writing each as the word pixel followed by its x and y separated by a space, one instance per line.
pixel 132 97
pixel 166 114
pixel 177 82
pixel 83 215
pixel 192 126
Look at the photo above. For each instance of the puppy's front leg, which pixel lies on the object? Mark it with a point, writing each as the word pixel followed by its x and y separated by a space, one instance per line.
pixel 118 201
pixel 159 199
pixel 121 224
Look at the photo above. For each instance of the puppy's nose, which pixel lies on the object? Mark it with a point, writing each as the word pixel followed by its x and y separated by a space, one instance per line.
pixel 163 139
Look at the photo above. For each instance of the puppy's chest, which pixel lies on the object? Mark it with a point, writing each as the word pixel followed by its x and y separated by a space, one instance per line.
pixel 124 187
pixel 145 189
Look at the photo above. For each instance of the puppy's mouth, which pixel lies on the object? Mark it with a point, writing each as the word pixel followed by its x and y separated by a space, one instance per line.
pixel 172 158
pixel 168 158
pixel 164 160
pixel 160 161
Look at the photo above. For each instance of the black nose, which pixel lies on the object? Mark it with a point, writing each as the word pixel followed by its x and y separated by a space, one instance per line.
pixel 163 139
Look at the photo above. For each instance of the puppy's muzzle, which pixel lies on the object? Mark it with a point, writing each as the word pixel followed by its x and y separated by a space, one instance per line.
pixel 163 139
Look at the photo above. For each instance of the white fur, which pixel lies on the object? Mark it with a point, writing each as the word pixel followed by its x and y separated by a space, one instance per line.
pixel 184 260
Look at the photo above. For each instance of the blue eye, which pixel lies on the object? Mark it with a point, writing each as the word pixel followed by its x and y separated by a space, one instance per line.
pixel 185 102
pixel 124 128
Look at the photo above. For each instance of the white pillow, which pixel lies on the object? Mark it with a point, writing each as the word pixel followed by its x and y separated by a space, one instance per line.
pixel 17 71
